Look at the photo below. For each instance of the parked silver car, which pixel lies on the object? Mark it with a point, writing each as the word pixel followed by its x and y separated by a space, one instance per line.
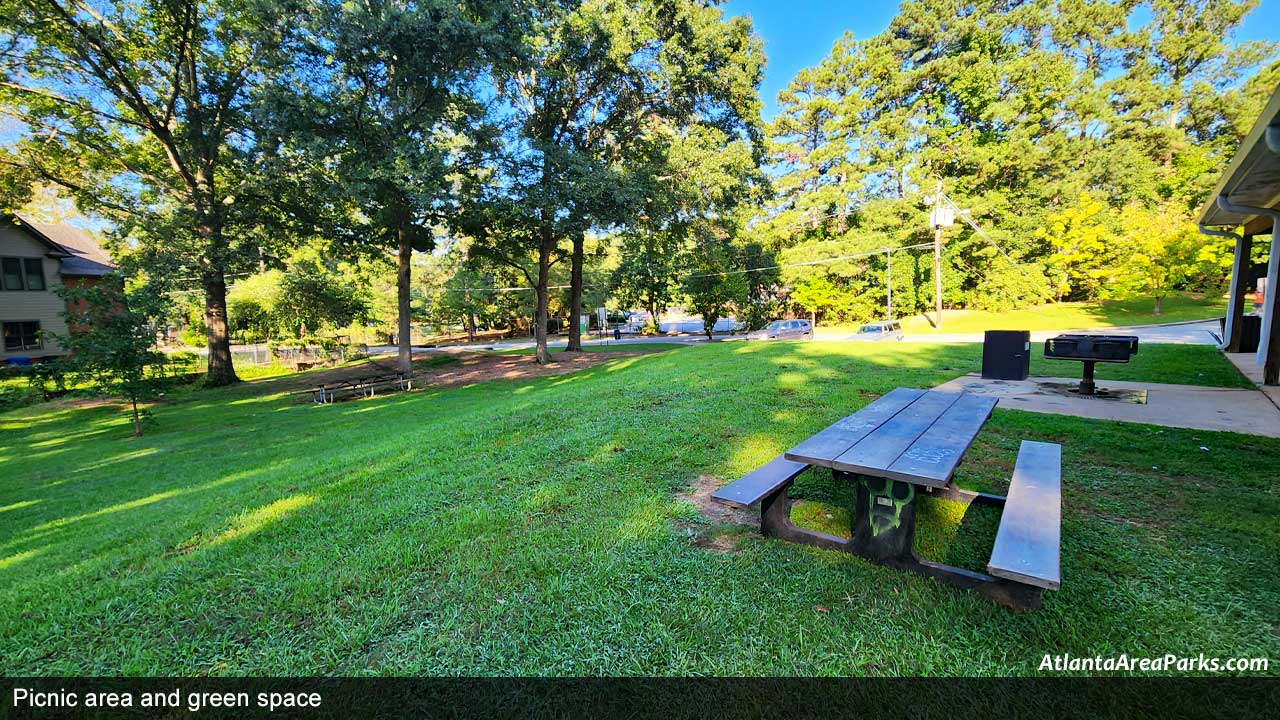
pixel 877 331
pixel 784 330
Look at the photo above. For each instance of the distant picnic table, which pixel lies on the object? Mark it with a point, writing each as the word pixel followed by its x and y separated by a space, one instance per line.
pixel 364 386
pixel 907 443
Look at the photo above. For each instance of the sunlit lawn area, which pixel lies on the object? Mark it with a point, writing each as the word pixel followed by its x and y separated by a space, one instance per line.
pixel 1073 316
pixel 535 528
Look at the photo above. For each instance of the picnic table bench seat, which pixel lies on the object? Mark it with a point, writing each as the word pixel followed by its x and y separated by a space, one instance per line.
pixel 760 483
pixel 905 445
pixel 1028 542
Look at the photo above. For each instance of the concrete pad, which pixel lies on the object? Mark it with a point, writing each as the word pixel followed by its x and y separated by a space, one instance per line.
pixel 1247 364
pixel 1183 406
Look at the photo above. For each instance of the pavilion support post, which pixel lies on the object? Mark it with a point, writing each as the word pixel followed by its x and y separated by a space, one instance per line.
pixel 1269 347
pixel 1271 370
pixel 1231 330
pixel 1239 286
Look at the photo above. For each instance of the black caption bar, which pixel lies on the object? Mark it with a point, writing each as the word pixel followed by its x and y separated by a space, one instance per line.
pixel 663 699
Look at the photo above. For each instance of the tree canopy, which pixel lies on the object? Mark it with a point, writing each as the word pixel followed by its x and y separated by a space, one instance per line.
pixel 419 160
pixel 141 111
pixel 1039 116
pixel 589 116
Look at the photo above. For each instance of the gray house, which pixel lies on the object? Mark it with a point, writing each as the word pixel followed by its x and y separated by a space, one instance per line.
pixel 37 259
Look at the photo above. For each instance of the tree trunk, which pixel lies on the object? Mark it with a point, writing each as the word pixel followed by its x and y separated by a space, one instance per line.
pixel 575 294
pixel 1159 302
pixel 542 355
pixel 221 371
pixel 471 325
pixel 404 359
pixel 137 423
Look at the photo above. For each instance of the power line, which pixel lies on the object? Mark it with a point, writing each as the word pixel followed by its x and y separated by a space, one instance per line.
pixel 812 262
pixel 867 235
pixel 976 228
pixel 983 234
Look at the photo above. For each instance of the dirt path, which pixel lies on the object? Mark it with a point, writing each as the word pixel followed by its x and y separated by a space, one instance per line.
pixel 448 368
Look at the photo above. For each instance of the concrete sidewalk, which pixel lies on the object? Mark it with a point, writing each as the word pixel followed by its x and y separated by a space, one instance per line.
pixel 1183 406
pixel 1248 366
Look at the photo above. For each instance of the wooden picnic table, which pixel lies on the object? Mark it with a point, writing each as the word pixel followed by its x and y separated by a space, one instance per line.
pixel 907 443
pixel 909 435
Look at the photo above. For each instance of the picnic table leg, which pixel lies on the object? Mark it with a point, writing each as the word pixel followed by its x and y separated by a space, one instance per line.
pixel 884 528
pixel 884 520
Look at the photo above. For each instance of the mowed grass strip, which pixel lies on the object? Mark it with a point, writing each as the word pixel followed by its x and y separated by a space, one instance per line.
pixel 1176 308
pixel 535 528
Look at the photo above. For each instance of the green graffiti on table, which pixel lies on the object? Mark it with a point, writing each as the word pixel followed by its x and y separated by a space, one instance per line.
pixel 885 513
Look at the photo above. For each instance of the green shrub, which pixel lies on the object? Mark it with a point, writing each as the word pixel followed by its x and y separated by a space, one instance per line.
pixel 193 336
pixel 326 343
pixel 14 395
pixel 47 377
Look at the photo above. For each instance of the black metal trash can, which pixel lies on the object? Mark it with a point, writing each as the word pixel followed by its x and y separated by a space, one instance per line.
pixel 1006 354
pixel 1250 332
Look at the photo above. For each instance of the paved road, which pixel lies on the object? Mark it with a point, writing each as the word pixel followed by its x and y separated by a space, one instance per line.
pixel 1178 334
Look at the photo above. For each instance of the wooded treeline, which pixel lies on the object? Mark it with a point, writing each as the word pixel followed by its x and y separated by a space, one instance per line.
pixel 603 152
pixel 1081 136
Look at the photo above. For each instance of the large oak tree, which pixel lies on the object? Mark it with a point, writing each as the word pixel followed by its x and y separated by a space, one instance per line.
pixel 139 108
pixel 381 107
pixel 603 83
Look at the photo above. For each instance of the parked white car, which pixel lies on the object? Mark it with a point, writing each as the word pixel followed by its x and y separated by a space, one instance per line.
pixel 878 331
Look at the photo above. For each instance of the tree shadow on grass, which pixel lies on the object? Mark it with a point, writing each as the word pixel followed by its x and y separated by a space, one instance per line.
pixel 527 527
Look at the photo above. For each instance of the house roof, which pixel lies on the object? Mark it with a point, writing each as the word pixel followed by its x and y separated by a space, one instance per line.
pixel 81 255
pixel 1253 176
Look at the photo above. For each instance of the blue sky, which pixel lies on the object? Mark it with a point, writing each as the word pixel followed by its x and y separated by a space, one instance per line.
pixel 799 33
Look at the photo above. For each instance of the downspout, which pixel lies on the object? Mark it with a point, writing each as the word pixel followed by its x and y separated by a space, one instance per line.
pixel 1237 267
pixel 1273 265
pixel 1273 138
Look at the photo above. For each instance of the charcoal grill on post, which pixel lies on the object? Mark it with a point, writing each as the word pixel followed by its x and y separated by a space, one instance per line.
pixel 1090 349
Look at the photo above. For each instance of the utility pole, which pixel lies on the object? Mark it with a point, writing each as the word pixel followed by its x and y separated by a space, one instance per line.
pixel 888 282
pixel 937 253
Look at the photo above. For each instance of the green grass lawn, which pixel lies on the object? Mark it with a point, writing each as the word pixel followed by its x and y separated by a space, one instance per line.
pixel 1073 316
pixel 1174 364
pixel 535 528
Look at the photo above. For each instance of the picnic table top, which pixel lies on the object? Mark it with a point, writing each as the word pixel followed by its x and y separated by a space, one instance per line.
pixel 917 436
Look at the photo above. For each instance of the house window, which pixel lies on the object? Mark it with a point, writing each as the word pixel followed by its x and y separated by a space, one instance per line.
pixel 24 335
pixel 21 274
pixel 35 273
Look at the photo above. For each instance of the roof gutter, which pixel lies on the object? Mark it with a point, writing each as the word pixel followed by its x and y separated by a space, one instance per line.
pixel 1273 265
pixel 1237 267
